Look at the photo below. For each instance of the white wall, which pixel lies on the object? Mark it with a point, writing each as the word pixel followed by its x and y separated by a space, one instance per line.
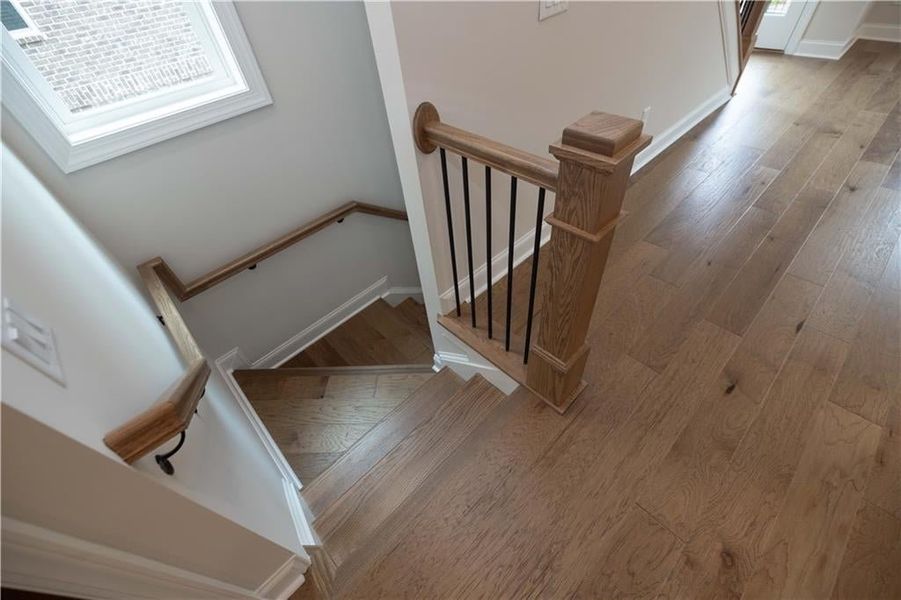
pixel 882 21
pixel 884 12
pixel 493 68
pixel 835 21
pixel 208 196
pixel 836 25
pixel 223 513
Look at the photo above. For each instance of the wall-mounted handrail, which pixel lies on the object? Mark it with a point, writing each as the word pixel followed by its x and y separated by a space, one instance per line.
pixel 166 418
pixel 431 133
pixel 184 291
pixel 172 413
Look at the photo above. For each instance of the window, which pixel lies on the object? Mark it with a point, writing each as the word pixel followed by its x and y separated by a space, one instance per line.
pixel 101 79
pixel 17 22
pixel 777 7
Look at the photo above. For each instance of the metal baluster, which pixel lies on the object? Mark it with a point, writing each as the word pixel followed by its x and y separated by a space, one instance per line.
pixel 510 259
pixel 539 219
pixel 488 245
pixel 450 229
pixel 472 283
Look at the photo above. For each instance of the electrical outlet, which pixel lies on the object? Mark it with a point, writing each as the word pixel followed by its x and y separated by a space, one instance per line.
pixel 549 8
pixel 32 341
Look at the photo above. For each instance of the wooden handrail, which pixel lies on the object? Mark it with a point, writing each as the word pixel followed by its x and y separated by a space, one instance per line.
pixel 172 319
pixel 431 133
pixel 595 155
pixel 184 291
pixel 172 413
pixel 169 416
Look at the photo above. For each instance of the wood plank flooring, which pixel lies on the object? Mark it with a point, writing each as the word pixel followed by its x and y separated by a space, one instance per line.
pixel 315 419
pixel 380 334
pixel 740 436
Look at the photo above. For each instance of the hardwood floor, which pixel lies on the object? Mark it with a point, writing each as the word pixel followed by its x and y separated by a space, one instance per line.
pixel 315 419
pixel 324 400
pixel 378 335
pixel 740 433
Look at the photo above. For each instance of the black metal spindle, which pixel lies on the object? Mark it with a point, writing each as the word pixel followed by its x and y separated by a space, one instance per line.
pixel 472 283
pixel 539 219
pixel 450 229
pixel 488 244
pixel 510 259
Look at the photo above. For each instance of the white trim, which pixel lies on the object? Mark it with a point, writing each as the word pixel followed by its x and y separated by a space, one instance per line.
pixel 397 110
pixel 665 139
pixel 396 295
pixel 40 560
pixel 50 133
pixel 823 49
pixel 466 366
pixel 286 580
pixel 299 514
pixel 522 249
pixel 297 342
pixel 31 32
pixel 725 39
pixel 794 40
pixel 226 364
pixel 879 32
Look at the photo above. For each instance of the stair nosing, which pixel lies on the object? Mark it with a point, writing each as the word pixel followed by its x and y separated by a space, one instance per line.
pixel 338 464
pixel 495 397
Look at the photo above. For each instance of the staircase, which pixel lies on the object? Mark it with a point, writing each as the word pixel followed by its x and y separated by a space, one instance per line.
pixel 366 424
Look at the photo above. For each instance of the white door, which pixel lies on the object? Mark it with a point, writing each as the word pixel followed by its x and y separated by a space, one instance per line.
pixel 779 21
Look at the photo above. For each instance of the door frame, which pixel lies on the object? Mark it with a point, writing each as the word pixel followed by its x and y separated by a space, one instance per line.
pixel 794 40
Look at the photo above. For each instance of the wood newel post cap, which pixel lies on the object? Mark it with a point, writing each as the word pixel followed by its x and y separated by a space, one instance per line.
pixel 601 140
pixel 426 113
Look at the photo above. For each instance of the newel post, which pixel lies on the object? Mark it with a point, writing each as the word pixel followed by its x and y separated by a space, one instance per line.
pixel 595 154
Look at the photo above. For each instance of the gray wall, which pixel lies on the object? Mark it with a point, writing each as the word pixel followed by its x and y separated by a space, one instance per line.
pixel 494 69
pixel 225 494
pixel 205 197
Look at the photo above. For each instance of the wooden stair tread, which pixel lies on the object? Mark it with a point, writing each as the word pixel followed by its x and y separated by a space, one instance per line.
pixel 378 335
pixel 405 335
pixel 314 419
pixel 283 372
pixel 419 406
pixel 415 313
pixel 347 522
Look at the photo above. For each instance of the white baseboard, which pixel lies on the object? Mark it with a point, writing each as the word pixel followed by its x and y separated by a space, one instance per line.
pixel 823 49
pixel 297 342
pixel 396 295
pixel 40 560
pixel 835 50
pixel 226 364
pixel 665 139
pixel 300 515
pixel 284 582
pixel 879 32
pixel 522 249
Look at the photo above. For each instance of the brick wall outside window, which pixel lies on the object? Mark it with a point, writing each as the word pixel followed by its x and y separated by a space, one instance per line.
pixel 95 52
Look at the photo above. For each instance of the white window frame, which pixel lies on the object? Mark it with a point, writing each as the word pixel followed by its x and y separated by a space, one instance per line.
pixel 31 30
pixel 78 140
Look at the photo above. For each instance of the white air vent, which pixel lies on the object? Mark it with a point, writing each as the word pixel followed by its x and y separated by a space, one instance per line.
pixel 31 340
